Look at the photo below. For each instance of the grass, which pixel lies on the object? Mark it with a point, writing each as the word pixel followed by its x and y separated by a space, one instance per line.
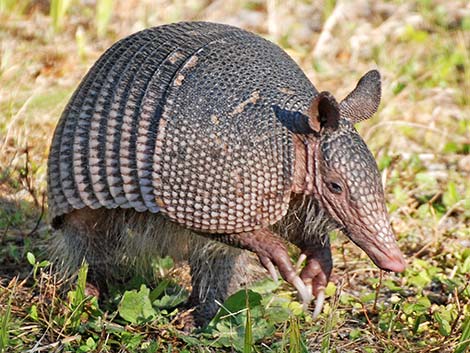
pixel 420 136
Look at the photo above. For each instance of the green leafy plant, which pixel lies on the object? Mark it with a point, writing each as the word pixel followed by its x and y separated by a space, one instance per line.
pixel 296 343
pixel 78 299
pixel 36 265
pixel 5 324
pixel 136 307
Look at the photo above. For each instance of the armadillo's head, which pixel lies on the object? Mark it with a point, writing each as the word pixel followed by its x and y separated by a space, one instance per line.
pixel 347 181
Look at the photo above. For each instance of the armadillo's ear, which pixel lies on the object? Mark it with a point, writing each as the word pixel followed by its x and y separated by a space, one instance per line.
pixel 323 112
pixel 364 100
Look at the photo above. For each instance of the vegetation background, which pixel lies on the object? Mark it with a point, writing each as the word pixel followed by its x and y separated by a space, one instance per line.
pixel 420 136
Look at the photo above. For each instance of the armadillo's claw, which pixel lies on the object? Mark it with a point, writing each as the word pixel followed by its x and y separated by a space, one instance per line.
pixel 316 273
pixel 319 301
pixel 272 253
pixel 300 261
pixel 268 264
pixel 310 289
pixel 288 273
pixel 305 293
pixel 306 303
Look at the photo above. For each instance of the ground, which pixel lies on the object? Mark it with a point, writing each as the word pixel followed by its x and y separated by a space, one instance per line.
pixel 420 137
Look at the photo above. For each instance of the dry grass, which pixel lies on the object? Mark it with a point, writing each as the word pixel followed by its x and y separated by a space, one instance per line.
pixel 421 137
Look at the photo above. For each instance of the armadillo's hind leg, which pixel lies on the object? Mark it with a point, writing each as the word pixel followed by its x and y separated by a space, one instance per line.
pixel 84 237
pixel 217 271
pixel 271 251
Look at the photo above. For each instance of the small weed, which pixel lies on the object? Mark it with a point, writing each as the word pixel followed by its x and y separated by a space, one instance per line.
pixel 5 324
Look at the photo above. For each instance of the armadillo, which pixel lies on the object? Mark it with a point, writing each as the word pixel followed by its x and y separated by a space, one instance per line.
pixel 198 130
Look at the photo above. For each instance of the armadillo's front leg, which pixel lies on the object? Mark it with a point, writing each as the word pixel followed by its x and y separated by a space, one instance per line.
pixel 271 251
pixel 317 270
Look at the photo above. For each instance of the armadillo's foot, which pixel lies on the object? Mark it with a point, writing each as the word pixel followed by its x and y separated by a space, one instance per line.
pixel 272 253
pixel 316 274
pixel 289 274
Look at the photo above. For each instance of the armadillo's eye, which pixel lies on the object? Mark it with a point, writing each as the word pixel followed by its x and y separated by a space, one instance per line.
pixel 335 187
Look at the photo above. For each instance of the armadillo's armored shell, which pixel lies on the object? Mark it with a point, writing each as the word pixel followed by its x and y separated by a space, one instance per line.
pixel 179 119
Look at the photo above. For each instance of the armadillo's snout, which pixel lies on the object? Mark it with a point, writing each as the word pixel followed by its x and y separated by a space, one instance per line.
pixel 387 253
pixel 381 246
pixel 390 259
pixel 397 263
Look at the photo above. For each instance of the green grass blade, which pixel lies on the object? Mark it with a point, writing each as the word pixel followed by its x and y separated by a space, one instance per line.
pixel 295 339
pixel 5 320
pixel 77 297
pixel 248 343
pixel 465 338
pixel 6 5
pixel 104 10
pixel 57 12
pixel 81 283
pixel 10 7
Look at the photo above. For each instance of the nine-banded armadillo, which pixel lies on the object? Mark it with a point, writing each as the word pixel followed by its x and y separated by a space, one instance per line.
pixel 198 128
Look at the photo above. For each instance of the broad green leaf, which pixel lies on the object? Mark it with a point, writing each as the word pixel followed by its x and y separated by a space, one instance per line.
pixel 237 302
pixel 278 310
pixel 412 34
pixel 444 326
pixel 33 313
pixel 420 280
pixel 31 258
pixel 465 266
pixel 131 340
pixel 296 308
pixel 44 263
pixel 228 336
pixel 264 286
pixel 330 289
pixel 391 285
pixel 135 306
pixel 368 297
pixel 420 306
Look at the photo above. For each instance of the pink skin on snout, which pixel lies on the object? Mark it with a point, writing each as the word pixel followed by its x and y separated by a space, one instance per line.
pixel 383 251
